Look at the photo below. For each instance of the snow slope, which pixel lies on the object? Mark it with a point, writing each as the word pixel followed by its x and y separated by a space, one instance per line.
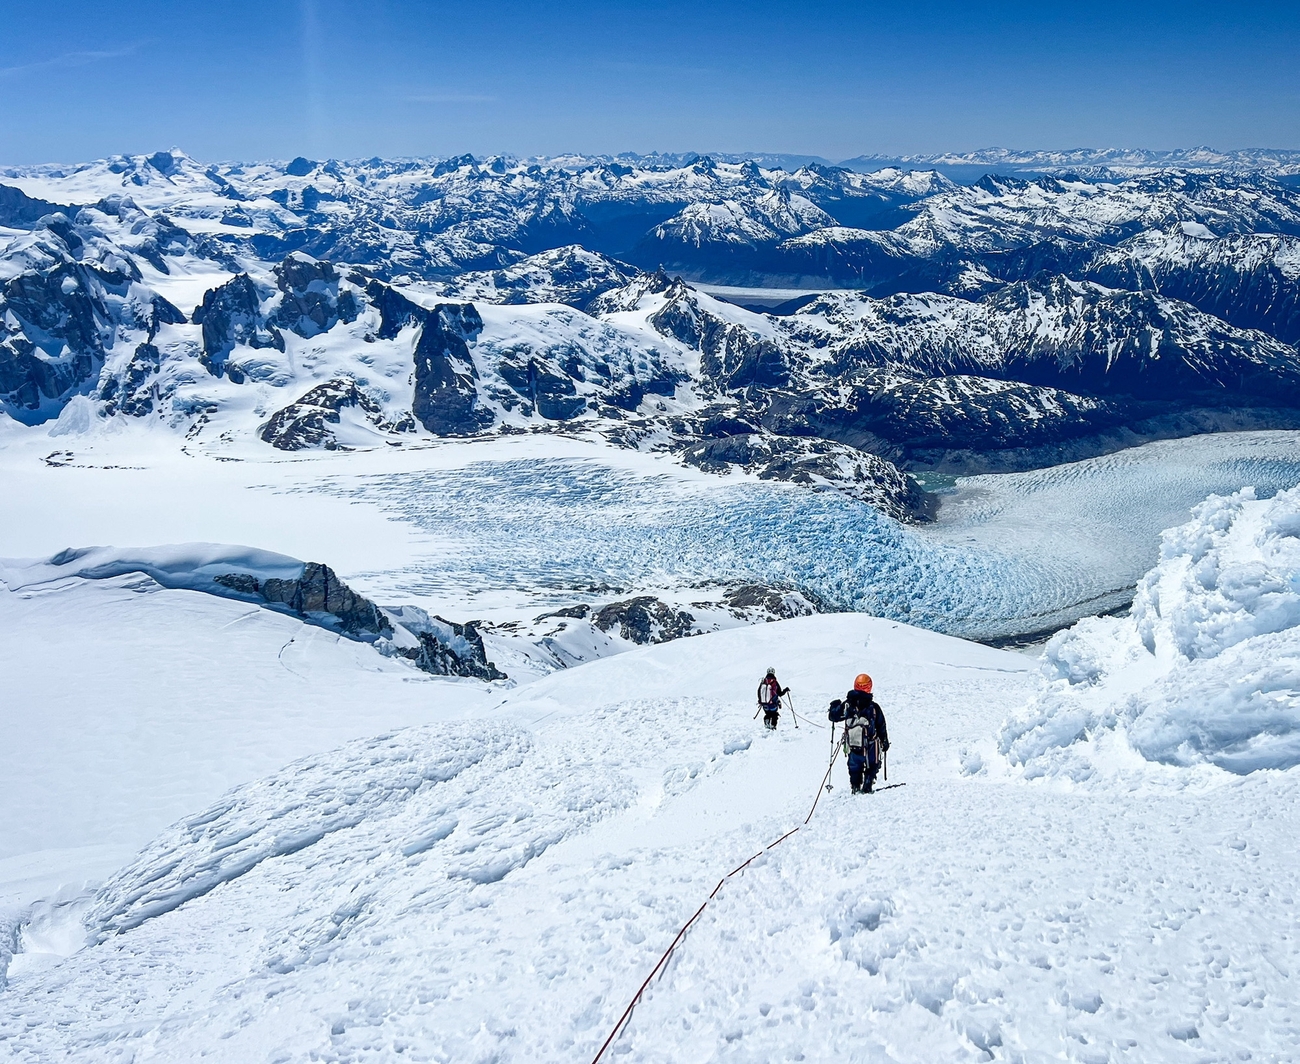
pixel 127 705
pixel 496 889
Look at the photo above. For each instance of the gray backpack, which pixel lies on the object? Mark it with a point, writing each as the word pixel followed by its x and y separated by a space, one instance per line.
pixel 860 732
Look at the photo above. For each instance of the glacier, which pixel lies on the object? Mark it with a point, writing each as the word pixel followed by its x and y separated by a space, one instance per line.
pixel 1011 554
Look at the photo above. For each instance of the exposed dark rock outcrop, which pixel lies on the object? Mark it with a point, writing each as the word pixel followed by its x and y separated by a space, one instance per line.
pixel 319 597
pixel 446 397
pixel 396 312
pixel 1247 280
pixel 310 421
pixel 814 462
pixel 550 391
pixel 77 298
pixel 60 306
pixel 312 302
pixel 571 275
pixel 578 612
pixel 734 358
pixel 53 327
pixel 644 619
pixel 131 392
pixel 907 417
pixel 771 602
pixel 155 313
pixel 19 210
pixel 231 314
pixel 450 649
pixel 1137 344
pixel 29 377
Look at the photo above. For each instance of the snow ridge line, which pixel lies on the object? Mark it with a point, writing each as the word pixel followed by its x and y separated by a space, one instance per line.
pixel 627 1012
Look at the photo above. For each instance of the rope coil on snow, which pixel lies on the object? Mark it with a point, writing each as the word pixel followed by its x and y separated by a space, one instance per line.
pixel 627 1012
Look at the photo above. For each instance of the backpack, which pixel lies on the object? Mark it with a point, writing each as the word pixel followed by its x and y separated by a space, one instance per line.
pixel 860 732
pixel 769 692
pixel 859 723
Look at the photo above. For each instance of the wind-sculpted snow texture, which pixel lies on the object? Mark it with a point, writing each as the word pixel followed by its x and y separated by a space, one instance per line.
pixel 496 889
pixel 374 782
pixel 1205 668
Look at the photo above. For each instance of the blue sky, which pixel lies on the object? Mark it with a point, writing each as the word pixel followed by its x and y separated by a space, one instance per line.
pixel 276 78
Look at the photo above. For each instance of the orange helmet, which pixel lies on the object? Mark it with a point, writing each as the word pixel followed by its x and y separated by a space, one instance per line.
pixel 862 683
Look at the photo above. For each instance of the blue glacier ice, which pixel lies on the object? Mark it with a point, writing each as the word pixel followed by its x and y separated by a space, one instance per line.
pixel 1012 554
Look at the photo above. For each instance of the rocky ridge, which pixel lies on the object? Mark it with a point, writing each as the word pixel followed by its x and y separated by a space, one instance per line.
pixel 310 591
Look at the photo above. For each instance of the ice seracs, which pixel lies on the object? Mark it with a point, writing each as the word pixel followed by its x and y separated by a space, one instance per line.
pixel 1204 669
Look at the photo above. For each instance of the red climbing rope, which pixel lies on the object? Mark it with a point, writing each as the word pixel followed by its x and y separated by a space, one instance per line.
pixel 627 1012
pixel 835 752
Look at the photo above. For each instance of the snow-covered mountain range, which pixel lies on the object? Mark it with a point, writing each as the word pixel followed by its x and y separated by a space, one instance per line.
pixel 1005 324
pixel 265 808
pixel 1281 161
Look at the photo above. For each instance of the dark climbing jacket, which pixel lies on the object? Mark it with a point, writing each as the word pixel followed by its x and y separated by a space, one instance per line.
pixel 864 721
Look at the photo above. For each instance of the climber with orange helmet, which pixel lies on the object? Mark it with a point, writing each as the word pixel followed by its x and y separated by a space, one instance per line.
pixel 865 734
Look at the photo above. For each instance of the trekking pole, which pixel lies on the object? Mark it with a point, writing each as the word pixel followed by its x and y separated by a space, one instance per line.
pixel 789 698
pixel 758 711
pixel 826 780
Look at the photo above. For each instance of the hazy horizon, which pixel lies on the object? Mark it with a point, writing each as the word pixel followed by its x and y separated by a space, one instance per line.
pixel 835 80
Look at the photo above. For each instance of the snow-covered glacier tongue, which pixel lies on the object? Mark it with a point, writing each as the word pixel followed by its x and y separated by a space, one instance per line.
pixel 1205 669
